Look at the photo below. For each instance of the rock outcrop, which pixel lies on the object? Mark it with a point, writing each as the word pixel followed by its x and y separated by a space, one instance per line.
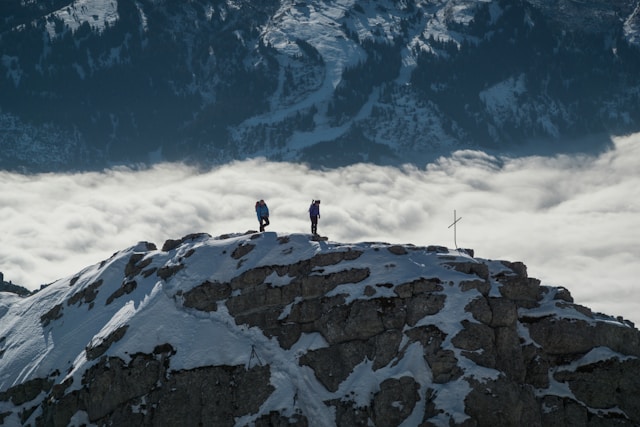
pixel 334 334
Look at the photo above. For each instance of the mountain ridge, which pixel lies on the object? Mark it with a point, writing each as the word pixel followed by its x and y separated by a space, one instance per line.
pixel 283 329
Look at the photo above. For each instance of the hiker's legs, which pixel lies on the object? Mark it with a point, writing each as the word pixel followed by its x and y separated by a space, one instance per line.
pixel 264 221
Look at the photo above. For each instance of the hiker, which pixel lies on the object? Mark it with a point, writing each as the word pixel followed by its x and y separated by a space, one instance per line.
pixel 314 214
pixel 262 211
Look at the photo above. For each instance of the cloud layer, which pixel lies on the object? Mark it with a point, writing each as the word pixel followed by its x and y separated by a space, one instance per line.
pixel 573 220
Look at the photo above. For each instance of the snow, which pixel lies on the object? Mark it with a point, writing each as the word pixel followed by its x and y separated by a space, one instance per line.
pixel 320 24
pixel 97 13
pixel 31 350
pixel 596 355
pixel 501 99
pixel 632 27
pixel 154 315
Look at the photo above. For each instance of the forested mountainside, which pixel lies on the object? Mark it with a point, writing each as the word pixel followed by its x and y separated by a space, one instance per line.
pixel 91 83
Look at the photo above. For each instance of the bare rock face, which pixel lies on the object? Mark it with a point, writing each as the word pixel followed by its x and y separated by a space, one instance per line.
pixel 503 403
pixel 118 393
pixel 395 401
pixel 343 335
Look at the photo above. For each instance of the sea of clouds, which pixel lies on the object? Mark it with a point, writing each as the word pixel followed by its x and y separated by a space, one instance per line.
pixel 572 219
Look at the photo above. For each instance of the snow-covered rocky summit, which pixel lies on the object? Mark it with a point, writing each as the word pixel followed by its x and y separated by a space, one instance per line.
pixel 283 329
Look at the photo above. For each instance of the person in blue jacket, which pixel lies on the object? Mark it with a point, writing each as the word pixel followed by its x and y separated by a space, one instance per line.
pixel 262 211
pixel 314 214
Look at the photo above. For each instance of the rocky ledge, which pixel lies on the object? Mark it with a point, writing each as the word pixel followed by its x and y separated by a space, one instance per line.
pixel 334 334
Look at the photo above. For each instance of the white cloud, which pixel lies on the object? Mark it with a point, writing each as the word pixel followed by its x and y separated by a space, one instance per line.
pixel 573 220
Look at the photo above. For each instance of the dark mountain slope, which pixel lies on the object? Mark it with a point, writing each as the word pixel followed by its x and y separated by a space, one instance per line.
pixel 89 84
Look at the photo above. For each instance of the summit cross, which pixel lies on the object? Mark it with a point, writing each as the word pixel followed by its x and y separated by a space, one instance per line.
pixel 454 225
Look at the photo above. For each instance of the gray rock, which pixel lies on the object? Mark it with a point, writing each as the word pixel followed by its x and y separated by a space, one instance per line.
pixel 527 352
pixel 503 403
pixel 395 401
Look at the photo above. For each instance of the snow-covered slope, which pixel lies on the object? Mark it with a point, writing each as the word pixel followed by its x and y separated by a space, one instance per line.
pixel 311 332
pixel 91 82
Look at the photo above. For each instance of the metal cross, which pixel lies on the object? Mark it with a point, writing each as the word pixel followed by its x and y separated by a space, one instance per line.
pixel 455 221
